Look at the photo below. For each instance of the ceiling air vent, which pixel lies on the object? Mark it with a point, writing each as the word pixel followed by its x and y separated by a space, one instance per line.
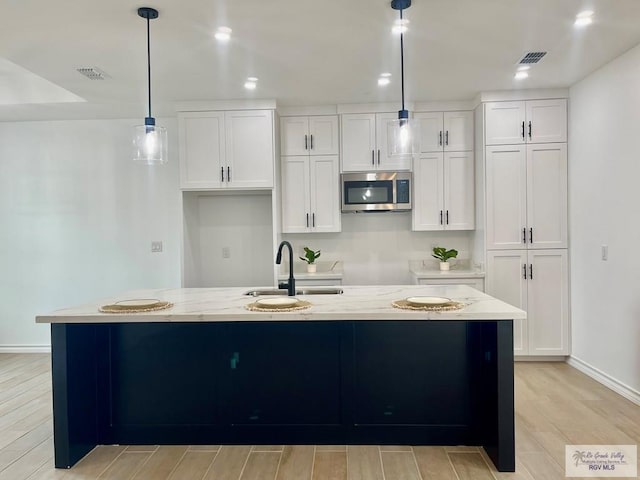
pixel 92 73
pixel 531 57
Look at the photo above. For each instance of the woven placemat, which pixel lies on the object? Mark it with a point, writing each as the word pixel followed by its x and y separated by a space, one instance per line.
pixel 404 305
pixel 131 309
pixel 301 305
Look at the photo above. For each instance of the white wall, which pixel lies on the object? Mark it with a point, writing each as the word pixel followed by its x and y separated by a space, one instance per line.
pixel 375 248
pixel 604 196
pixel 77 218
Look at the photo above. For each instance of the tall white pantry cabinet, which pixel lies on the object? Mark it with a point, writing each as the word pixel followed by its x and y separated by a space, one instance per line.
pixel 525 150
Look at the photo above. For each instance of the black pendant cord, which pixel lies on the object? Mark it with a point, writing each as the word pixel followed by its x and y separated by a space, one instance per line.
pixel 149 64
pixel 402 58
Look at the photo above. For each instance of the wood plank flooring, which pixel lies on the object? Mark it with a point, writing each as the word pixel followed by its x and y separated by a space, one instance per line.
pixel 555 405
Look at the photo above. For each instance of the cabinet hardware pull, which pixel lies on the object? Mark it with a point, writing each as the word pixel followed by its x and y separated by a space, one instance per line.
pixel 531 235
pixel 311 136
pixel 440 139
pixel 234 360
pixel 228 174
pixel 307 220
pixel 529 129
pixel 524 271
pixel 305 143
pixel 446 138
pixel 440 217
pixel 222 174
pixel 524 235
pixel 378 156
pixel 313 216
pixel 373 157
pixel 447 217
pixel 523 130
pixel 531 271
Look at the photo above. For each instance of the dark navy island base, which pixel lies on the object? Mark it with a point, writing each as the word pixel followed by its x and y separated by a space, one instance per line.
pixel 297 382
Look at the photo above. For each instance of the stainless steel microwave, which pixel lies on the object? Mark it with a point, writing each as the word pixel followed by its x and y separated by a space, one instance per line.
pixel 376 191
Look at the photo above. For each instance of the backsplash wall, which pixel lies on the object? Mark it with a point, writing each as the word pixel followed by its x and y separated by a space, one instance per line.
pixel 375 248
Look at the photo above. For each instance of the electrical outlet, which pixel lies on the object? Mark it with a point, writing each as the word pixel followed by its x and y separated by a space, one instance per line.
pixel 226 252
pixel 156 246
pixel 605 252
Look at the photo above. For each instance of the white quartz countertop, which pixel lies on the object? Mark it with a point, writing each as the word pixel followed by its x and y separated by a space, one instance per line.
pixel 356 303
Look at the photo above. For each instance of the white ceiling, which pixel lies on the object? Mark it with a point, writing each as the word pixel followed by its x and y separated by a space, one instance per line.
pixel 304 52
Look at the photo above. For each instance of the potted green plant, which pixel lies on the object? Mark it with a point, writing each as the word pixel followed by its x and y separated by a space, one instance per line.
pixel 444 255
pixel 310 257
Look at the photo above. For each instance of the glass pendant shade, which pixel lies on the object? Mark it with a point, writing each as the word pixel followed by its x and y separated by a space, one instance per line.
pixel 403 137
pixel 150 144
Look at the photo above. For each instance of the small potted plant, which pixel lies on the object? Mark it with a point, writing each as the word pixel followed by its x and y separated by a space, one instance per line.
pixel 310 257
pixel 444 255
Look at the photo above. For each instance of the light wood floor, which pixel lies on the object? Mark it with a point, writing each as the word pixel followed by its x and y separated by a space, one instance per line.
pixel 555 405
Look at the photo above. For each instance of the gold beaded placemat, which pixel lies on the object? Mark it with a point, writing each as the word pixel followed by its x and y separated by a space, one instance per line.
pixel 115 308
pixel 404 305
pixel 301 305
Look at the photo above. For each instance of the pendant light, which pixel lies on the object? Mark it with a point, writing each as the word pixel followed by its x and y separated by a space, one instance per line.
pixel 150 140
pixel 401 134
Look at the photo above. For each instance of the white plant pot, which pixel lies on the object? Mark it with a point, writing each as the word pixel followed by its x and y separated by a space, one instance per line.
pixel 311 268
pixel 444 265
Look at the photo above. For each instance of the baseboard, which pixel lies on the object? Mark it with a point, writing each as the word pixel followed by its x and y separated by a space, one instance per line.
pixel 538 358
pixel 25 348
pixel 605 379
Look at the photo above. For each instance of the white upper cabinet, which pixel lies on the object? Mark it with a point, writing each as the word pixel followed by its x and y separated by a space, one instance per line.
pixel 310 194
pixel 445 131
pixel 222 150
pixel 526 196
pixel 364 143
pixel 443 186
pixel 533 121
pixel 315 135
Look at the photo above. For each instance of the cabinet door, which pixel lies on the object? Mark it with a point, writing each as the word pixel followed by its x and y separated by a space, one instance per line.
pixel 548 305
pixel 428 195
pixel 358 142
pixel 325 193
pixel 202 150
pixel 431 131
pixel 294 136
pixel 458 131
pixel 295 194
pixel 284 373
pixel 459 191
pixel 249 148
pixel 387 356
pixel 384 159
pixel 323 135
pixel 547 195
pixel 506 281
pixel 546 121
pixel 506 196
pixel 504 123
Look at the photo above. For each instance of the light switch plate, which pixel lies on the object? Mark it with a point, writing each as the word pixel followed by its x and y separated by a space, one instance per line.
pixel 156 246
pixel 605 252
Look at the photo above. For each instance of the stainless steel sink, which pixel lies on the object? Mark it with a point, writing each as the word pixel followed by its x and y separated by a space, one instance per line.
pixel 299 291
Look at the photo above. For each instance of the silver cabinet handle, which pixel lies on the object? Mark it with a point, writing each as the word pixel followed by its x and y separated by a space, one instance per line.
pixel 305 143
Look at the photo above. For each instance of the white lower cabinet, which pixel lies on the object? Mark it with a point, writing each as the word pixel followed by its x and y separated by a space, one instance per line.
pixel 443 192
pixel 310 194
pixel 536 281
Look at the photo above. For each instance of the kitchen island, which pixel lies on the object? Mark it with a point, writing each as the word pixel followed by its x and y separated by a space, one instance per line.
pixel 351 369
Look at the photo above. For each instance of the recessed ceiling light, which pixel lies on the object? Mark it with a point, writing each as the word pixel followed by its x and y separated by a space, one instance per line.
pixel 382 81
pixel 386 74
pixel 252 79
pixel 400 26
pixel 521 75
pixel 250 85
pixel 522 68
pixel 223 34
pixel 584 18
